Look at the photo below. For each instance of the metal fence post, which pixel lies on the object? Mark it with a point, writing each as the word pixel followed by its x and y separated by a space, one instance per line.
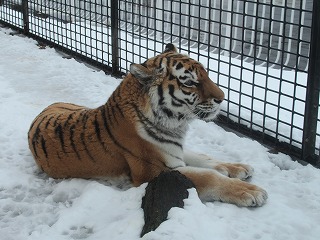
pixel 25 13
pixel 115 36
pixel 313 88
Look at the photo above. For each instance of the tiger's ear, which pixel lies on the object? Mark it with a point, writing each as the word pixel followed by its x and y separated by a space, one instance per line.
pixel 143 74
pixel 170 48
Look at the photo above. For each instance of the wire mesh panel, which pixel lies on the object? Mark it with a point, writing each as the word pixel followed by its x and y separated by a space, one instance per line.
pixel 263 65
pixel 137 32
pixel 257 51
pixel 276 31
pixel 11 12
pixel 81 26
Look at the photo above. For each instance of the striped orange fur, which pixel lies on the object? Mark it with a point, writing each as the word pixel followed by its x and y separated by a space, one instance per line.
pixel 140 132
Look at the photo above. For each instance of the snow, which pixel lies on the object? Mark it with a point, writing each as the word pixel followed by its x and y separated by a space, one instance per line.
pixel 34 206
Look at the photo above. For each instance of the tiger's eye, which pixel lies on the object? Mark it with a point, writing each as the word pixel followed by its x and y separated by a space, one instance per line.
pixel 189 83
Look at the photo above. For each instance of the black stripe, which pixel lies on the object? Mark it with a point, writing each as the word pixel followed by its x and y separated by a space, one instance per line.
pixel 144 64
pixel 160 63
pixel 97 129
pixel 106 114
pixel 147 122
pixel 84 121
pixel 34 148
pixel 109 113
pixel 190 102
pixel 173 156
pixel 48 122
pixel 85 146
pixel 160 94
pixel 171 77
pixel 44 148
pixel 180 116
pixel 173 103
pixel 185 60
pixel 69 118
pixel 178 82
pixel 112 113
pixel 160 139
pixel 57 119
pixel 168 60
pixel 34 141
pixel 36 136
pixel 116 102
pixel 174 62
pixel 113 138
pixel 155 113
pixel 179 66
pixel 167 112
pixel 183 78
pixel 171 92
pixel 149 126
pixel 80 116
pixel 72 141
pixel 59 132
pixel 104 119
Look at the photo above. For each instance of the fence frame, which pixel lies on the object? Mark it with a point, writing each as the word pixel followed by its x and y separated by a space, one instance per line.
pixel 115 37
pixel 313 89
pixel 306 153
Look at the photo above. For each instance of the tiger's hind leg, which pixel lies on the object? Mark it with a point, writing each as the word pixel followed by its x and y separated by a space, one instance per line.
pixel 232 170
pixel 212 186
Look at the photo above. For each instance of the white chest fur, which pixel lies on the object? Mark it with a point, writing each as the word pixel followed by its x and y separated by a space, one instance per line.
pixel 169 144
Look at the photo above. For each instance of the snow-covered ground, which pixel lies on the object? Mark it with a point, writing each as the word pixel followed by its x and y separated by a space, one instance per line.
pixel 33 206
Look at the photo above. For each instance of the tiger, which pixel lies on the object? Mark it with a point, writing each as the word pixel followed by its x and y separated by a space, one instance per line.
pixel 140 132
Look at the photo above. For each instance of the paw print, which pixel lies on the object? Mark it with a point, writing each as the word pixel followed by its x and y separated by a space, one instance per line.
pixel 79 232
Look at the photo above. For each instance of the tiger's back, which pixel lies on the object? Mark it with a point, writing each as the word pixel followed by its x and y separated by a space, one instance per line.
pixel 69 140
pixel 61 140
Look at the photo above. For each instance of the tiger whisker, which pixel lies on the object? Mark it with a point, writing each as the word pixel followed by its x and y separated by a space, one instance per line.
pixel 188 113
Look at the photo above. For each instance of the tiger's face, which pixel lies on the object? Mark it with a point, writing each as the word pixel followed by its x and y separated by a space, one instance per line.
pixel 179 87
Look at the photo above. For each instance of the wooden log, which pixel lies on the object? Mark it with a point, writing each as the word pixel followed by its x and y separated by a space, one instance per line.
pixel 167 190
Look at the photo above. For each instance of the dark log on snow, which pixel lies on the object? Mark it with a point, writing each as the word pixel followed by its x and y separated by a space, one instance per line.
pixel 167 190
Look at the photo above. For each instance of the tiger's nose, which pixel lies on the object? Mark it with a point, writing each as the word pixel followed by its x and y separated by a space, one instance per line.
pixel 218 101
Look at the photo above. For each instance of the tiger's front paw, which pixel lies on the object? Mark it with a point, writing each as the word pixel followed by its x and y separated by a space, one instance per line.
pixel 243 194
pixel 235 170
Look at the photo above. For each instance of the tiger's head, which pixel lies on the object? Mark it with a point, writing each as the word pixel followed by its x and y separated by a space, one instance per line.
pixel 178 87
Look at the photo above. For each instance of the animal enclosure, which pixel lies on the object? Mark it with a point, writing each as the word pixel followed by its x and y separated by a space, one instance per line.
pixel 264 54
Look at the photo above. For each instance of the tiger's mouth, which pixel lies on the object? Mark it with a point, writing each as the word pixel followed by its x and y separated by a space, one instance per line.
pixel 207 112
